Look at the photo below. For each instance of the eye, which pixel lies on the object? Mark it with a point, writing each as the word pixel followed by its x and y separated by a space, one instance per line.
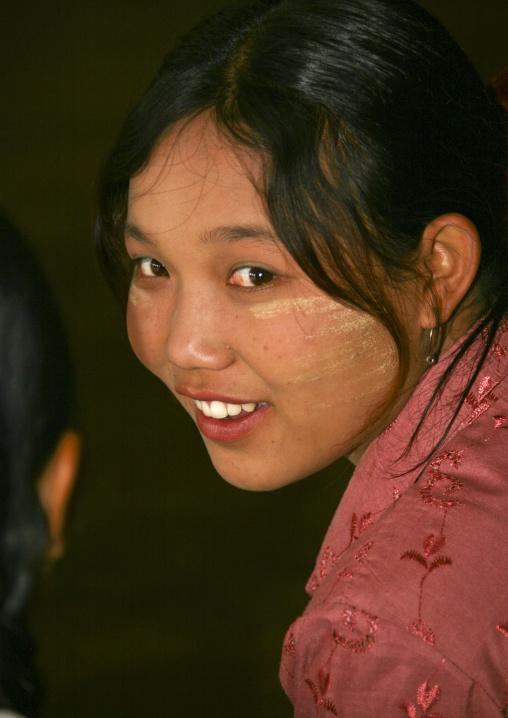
pixel 149 267
pixel 251 277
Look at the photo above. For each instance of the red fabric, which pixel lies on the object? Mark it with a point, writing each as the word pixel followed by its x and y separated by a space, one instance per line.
pixel 409 608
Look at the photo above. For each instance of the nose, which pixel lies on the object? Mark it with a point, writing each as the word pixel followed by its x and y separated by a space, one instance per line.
pixel 199 332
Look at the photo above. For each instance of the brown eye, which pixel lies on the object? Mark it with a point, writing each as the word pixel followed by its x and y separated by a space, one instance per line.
pixel 150 267
pixel 252 277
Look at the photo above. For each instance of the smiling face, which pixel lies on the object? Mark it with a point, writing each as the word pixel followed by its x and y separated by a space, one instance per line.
pixel 280 379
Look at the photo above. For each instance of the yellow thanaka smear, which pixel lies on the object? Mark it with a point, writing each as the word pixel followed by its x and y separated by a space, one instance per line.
pixel 359 385
pixel 303 305
pixel 341 318
pixel 360 334
pixel 135 298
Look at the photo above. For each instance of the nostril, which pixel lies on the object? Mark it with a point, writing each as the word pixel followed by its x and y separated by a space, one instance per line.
pixel 198 353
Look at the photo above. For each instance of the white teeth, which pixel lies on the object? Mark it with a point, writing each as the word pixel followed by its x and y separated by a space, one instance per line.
pixel 249 407
pixel 234 409
pixel 220 410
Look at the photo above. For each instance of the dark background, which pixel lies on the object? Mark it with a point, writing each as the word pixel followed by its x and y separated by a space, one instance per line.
pixel 176 589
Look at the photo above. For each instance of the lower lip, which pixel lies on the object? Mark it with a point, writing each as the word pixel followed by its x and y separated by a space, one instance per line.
pixel 229 430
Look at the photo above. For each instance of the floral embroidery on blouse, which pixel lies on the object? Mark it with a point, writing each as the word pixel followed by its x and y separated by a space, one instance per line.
pixel 319 688
pixel 328 559
pixel 356 634
pixel 348 572
pixel 431 546
pixel 362 553
pixel 358 526
pixel 426 698
pixel 289 648
pixel 444 490
pixel 359 632
pixel 482 402
pixel 441 489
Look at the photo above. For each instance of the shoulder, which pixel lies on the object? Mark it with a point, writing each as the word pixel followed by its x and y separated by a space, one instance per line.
pixel 410 616
pixel 394 674
pixel 415 609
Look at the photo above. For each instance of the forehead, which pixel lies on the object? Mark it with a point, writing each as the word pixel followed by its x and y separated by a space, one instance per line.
pixel 195 174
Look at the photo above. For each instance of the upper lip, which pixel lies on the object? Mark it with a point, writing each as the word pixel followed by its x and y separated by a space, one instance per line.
pixel 206 395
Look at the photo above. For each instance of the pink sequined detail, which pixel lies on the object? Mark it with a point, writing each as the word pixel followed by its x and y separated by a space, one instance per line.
pixel 499 421
pixel 409 709
pixel 359 525
pixel 426 698
pixel 503 628
pixel 359 631
pixel 389 427
pixel 360 555
pixel 420 628
pixel 441 488
pixel 481 403
pixel 289 648
pixel 328 559
pixel 433 544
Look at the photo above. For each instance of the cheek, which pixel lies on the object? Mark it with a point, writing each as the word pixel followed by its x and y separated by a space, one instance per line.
pixel 145 328
pixel 358 350
pixel 328 343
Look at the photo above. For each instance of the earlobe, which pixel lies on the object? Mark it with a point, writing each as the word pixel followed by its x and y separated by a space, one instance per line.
pixel 450 253
pixel 55 487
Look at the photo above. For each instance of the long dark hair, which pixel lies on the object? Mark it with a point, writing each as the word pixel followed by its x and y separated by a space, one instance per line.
pixel 370 122
pixel 36 407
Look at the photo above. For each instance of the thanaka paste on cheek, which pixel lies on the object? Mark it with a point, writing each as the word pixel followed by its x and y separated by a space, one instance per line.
pixel 360 335
pixel 341 318
pixel 142 316
pixel 304 305
pixel 136 298
pixel 357 385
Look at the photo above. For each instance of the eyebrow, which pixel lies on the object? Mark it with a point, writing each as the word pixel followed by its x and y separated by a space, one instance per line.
pixel 217 235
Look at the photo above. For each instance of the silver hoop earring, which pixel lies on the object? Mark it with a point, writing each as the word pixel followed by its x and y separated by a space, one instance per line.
pixel 431 356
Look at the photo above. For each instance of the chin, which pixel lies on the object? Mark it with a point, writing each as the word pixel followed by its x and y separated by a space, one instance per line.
pixel 257 476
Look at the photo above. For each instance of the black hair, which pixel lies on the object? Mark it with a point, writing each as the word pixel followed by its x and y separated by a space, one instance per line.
pixel 370 122
pixel 36 407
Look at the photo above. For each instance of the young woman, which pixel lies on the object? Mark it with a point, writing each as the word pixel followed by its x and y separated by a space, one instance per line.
pixel 305 219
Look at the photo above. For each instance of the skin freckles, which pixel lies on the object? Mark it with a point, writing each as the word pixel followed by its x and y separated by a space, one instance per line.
pixel 219 310
pixel 305 305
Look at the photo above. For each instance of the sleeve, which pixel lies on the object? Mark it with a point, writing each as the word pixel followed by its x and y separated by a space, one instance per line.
pixel 360 666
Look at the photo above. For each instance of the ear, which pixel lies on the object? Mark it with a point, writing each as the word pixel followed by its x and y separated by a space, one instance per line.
pixel 55 487
pixel 450 252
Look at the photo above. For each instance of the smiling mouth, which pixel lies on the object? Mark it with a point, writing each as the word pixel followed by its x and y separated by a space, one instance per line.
pixel 221 410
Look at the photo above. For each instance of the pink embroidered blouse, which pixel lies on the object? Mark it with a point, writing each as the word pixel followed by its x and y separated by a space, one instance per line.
pixel 409 607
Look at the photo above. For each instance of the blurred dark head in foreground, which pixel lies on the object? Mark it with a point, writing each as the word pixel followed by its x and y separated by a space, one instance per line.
pixel 39 452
